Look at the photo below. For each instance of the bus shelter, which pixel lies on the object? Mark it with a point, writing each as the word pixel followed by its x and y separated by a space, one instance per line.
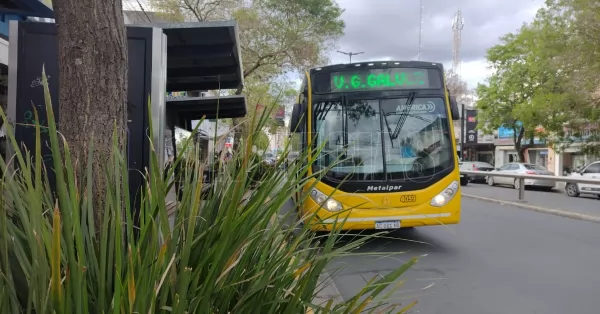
pixel 162 58
pixel 202 56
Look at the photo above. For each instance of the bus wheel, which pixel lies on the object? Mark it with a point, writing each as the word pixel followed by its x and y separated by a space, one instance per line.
pixel 464 181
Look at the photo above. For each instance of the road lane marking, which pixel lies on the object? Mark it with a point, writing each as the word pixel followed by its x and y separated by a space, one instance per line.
pixel 556 212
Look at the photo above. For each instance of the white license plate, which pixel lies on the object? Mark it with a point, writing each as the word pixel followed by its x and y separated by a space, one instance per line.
pixel 390 224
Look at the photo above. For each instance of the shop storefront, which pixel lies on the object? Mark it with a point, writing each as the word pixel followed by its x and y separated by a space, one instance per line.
pixel 477 146
pixel 506 152
pixel 538 156
pixel 571 156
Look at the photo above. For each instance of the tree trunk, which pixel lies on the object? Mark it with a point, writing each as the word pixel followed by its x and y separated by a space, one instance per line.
pixel 237 124
pixel 92 49
pixel 519 146
pixel 521 152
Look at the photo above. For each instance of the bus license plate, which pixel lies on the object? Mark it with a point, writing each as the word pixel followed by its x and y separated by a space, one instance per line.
pixel 390 224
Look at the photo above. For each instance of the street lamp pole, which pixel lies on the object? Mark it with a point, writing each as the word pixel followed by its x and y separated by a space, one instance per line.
pixel 462 132
pixel 350 54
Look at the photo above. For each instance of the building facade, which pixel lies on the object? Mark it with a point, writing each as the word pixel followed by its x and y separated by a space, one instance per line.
pixel 480 147
pixel 571 154
pixel 506 152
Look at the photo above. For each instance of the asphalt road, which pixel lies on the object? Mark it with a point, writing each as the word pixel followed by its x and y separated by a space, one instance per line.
pixel 499 260
pixel 555 199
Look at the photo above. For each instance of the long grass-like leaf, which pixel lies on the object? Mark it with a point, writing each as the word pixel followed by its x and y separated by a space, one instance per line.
pixel 223 246
pixel 56 287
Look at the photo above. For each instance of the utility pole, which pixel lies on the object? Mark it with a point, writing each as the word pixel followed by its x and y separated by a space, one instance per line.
pixel 350 54
pixel 458 23
pixel 462 132
pixel 420 31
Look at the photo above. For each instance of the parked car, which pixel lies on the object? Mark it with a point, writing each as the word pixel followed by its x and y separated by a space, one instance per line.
pixel 522 168
pixel 476 166
pixel 591 171
pixel 464 179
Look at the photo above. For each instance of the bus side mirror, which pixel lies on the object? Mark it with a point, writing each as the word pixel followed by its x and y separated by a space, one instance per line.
pixel 454 108
pixel 296 125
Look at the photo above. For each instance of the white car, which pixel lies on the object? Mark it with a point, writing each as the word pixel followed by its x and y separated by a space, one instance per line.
pixel 591 171
pixel 521 168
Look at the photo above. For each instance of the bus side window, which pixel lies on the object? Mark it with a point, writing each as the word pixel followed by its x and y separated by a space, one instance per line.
pixel 297 120
pixel 454 108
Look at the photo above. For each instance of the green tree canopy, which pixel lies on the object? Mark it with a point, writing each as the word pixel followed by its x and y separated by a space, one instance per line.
pixel 524 92
pixel 576 54
pixel 276 36
pixel 267 97
pixel 262 140
pixel 546 75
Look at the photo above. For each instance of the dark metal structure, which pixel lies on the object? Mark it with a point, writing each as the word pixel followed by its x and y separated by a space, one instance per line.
pixel 26 8
pixel 20 10
pixel 162 58
pixel 202 55
pixel 34 46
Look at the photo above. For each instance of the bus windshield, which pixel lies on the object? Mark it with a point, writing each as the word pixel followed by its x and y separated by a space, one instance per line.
pixel 395 139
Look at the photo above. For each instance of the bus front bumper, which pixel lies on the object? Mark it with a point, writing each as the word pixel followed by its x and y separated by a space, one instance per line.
pixel 382 218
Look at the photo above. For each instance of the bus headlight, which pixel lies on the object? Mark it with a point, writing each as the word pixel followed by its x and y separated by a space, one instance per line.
pixel 325 201
pixel 446 195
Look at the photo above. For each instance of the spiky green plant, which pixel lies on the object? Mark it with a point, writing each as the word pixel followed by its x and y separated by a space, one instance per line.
pixel 230 252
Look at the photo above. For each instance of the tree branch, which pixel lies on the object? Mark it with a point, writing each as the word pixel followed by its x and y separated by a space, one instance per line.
pixel 258 62
pixel 192 9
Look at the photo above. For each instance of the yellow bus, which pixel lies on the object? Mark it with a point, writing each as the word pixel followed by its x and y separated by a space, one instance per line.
pixel 381 135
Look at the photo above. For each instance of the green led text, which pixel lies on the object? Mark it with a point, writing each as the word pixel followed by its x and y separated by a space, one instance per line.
pixel 367 81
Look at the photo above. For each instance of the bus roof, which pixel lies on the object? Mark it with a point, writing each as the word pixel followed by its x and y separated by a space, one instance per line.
pixel 379 64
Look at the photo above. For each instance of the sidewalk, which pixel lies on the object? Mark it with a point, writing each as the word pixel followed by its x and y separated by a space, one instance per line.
pixel 554 200
pixel 327 290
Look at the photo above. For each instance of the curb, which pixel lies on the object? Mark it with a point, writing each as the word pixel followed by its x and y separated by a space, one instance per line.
pixel 556 212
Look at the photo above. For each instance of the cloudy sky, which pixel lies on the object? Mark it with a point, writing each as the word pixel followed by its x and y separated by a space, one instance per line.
pixel 389 30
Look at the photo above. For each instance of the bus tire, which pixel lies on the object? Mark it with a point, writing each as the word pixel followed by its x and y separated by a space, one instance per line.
pixel 464 181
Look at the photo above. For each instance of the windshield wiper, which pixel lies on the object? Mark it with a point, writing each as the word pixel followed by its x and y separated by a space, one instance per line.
pixel 324 109
pixel 404 116
pixel 402 120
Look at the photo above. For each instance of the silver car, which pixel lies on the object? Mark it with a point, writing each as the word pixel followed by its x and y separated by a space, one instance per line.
pixel 522 168
pixel 476 166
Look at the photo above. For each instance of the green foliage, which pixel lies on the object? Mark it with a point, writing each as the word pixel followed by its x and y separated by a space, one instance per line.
pixel 525 87
pixel 227 253
pixel 276 37
pixel 288 35
pixel 262 140
pixel 268 96
pixel 546 74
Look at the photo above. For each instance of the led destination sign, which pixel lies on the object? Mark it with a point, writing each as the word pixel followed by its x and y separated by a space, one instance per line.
pixel 377 79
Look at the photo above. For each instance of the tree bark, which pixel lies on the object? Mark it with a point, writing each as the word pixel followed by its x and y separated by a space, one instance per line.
pixel 519 146
pixel 237 123
pixel 93 66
